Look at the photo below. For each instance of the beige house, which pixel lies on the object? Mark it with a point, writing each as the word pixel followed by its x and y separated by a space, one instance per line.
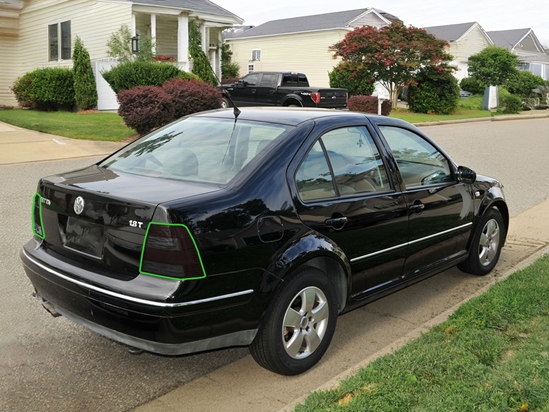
pixel 300 44
pixel 524 43
pixel 465 39
pixel 41 33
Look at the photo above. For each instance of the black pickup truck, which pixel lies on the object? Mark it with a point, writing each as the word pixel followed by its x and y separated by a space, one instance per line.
pixel 282 89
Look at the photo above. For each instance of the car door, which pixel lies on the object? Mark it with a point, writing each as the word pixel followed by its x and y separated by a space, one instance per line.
pixel 347 194
pixel 440 208
pixel 243 92
pixel 266 90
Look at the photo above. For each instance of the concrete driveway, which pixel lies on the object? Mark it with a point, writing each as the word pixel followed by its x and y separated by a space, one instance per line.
pixel 19 145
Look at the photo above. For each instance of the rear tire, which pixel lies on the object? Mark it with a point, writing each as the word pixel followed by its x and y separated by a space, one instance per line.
pixel 299 324
pixel 486 245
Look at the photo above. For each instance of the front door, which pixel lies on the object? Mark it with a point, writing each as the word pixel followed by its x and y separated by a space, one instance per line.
pixel 441 209
pixel 347 195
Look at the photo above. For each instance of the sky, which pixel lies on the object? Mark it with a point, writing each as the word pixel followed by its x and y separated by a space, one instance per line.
pixel 491 15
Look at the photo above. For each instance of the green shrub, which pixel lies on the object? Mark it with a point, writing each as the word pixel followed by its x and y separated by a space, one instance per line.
pixel 472 85
pixel 46 89
pixel 145 108
pixel 522 83
pixel 435 90
pixel 474 102
pixel 355 80
pixel 143 73
pixel 85 91
pixel 509 103
pixel 368 104
pixel 22 88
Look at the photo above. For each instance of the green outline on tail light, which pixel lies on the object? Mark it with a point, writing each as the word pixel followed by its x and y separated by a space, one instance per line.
pixel 163 276
pixel 43 236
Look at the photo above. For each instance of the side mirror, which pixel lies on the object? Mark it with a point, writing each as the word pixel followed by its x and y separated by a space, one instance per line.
pixel 466 175
pixel 240 84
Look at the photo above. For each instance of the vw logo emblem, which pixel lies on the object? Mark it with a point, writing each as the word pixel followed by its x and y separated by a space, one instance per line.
pixel 78 205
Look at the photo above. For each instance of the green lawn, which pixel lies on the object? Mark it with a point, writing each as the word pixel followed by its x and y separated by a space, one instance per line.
pixel 491 355
pixel 90 126
pixel 111 127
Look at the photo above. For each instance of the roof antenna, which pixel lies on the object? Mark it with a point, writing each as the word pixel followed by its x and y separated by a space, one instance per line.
pixel 226 93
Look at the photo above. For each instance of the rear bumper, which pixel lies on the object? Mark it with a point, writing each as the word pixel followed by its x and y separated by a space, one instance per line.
pixel 155 325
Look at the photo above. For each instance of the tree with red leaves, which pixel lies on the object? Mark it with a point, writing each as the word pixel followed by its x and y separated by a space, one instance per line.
pixel 392 54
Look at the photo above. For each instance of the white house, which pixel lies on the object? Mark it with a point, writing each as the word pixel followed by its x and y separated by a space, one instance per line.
pixel 465 40
pixel 41 33
pixel 300 44
pixel 524 43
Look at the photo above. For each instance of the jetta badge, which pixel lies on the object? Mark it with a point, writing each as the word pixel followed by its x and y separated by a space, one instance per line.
pixel 78 205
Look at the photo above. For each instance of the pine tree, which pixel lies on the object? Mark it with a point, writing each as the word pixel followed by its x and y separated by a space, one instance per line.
pixel 84 82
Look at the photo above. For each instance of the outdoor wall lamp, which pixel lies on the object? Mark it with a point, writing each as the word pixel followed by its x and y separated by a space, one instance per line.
pixel 135 44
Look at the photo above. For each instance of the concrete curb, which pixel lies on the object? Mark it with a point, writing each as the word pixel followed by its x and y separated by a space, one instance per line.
pixel 416 333
pixel 486 119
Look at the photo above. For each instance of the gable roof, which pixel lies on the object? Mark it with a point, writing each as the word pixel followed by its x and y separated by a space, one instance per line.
pixel 512 38
pixel 327 21
pixel 451 32
pixel 200 6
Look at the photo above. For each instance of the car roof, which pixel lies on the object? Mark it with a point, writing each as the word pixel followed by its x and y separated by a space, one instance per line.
pixel 289 116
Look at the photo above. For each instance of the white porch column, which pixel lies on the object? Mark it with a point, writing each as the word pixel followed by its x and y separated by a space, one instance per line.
pixel 205 38
pixel 153 31
pixel 134 26
pixel 183 42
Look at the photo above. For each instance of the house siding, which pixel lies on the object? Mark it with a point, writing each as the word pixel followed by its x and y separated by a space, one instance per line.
pixel 8 69
pixel 370 19
pixel 472 43
pixel 32 42
pixel 303 52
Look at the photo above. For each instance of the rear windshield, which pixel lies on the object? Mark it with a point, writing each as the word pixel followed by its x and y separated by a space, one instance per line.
pixel 198 149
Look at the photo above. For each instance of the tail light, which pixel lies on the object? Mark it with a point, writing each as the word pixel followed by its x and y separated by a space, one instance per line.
pixel 169 251
pixel 315 97
pixel 37 222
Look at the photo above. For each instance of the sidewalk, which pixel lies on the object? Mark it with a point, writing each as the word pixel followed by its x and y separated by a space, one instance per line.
pixel 243 386
pixel 19 145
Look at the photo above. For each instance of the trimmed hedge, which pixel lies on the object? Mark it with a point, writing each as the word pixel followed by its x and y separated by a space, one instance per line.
pixel 145 108
pixel 143 73
pixel 46 89
pixel 368 104
pixel 356 81
pixel 472 85
pixel 435 91
pixel 85 91
pixel 191 96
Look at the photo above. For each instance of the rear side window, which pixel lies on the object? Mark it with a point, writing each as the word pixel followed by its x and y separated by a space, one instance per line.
pixel 343 162
pixel 208 150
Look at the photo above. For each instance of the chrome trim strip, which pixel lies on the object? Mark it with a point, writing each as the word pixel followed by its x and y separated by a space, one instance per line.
pixel 134 299
pixel 359 258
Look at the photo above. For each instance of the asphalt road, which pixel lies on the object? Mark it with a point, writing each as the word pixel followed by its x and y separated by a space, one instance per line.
pixel 51 364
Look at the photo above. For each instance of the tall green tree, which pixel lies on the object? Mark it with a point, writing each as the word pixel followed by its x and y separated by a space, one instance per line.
pixel 201 63
pixel 85 91
pixel 493 66
pixel 229 69
pixel 390 55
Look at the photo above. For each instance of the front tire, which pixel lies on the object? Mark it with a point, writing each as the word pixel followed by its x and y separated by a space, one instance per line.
pixel 486 245
pixel 225 103
pixel 299 324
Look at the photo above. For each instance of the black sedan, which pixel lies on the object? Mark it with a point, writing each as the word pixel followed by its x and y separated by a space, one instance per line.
pixel 259 229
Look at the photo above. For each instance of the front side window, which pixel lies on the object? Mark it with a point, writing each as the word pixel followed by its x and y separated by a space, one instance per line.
pixel 251 79
pixel 59 41
pixel 419 162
